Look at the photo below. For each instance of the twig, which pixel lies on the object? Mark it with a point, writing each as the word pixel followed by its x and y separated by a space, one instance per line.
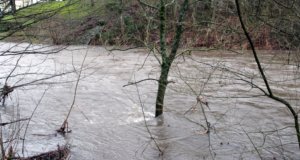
pixel 256 149
pixel 40 100
pixel 148 5
pixel 15 121
pixel 132 83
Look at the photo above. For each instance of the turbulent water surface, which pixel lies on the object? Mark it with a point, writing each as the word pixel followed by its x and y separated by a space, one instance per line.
pixel 110 121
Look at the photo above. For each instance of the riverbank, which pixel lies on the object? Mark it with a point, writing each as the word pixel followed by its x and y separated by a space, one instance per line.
pixel 114 23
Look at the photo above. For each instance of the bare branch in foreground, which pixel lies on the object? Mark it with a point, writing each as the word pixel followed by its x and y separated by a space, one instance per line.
pixel 16 121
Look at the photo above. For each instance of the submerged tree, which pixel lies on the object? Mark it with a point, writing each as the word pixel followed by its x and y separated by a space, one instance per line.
pixel 167 58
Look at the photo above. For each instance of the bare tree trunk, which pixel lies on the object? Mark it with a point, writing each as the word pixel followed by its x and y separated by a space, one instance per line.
pixel 122 23
pixel 13 6
pixel 1 145
pixel 213 12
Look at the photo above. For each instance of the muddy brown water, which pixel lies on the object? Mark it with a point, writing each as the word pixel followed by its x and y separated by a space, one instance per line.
pixel 107 121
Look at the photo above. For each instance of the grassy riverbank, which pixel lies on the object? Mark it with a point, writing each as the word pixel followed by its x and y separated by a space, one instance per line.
pixel 127 22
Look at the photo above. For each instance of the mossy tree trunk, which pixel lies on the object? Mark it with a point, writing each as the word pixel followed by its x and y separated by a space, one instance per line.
pixel 167 59
pixel 162 86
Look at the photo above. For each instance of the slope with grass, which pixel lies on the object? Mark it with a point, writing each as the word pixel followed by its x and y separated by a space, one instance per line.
pixel 48 22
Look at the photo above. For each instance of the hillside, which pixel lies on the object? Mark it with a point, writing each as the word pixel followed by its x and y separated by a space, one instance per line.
pixel 101 22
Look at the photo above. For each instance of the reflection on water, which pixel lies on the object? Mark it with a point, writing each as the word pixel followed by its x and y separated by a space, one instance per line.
pixel 108 123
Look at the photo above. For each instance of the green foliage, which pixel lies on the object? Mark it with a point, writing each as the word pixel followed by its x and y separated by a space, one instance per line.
pixel 114 7
pixel 131 25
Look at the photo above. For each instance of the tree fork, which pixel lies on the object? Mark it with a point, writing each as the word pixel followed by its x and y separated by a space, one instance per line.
pixel 167 60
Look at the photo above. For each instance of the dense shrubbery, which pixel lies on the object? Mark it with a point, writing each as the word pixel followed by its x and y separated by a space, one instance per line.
pixel 209 24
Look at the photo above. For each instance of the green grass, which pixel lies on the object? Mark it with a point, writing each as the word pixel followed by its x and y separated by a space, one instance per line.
pixel 64 9
pixel 37 16
pixel 30 15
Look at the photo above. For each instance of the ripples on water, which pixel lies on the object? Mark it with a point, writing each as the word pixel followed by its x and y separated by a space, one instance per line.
pixel 108 123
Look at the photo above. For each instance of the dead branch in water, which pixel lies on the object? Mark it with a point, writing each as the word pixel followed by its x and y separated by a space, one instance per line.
pixel 62 153
pixel 64 127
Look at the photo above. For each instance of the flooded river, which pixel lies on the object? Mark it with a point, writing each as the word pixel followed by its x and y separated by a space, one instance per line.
pixel 113 122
